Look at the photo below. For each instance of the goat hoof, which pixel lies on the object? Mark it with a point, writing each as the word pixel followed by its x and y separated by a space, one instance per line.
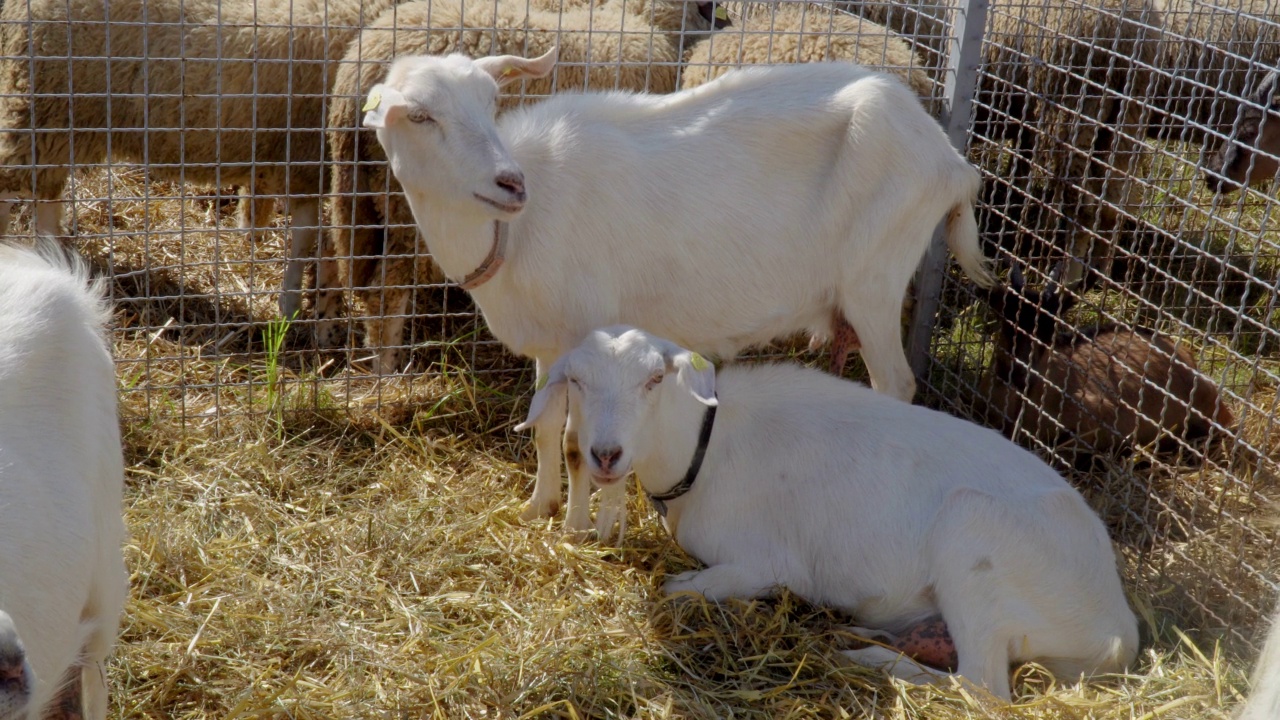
pixel 537 511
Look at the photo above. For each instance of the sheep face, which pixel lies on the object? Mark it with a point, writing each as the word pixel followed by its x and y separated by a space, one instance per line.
pixel 620 383
pixel 695 19
pixel 1027 322
pixel 1249 157
pixel 434 117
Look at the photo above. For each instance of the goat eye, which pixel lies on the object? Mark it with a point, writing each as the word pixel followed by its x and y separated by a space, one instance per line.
pixel 653 381
pixel 574 382
pixel 420 116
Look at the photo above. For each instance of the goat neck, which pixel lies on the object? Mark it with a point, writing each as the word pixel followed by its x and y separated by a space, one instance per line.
pixel 673 441
pixel 460 239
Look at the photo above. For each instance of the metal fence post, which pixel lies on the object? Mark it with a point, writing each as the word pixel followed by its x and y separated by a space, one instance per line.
pixel 963 58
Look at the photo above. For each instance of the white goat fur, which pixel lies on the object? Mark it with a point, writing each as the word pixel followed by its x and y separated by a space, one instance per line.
pixel 1264 700
pixel 750 208
pixel 892 512
pixel 62 574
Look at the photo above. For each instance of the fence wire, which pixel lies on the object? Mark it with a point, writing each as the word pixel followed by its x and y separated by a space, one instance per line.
pixel 190 149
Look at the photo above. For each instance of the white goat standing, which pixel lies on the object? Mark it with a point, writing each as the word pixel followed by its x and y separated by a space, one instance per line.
pixel 62 576
pixel 1264 700
pixel 766 202
pixel 785 476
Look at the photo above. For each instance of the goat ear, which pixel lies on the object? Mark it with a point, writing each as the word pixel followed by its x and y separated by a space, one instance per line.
pixel 509 68
pixel 384 106
pixel 694 372
pixel 554 388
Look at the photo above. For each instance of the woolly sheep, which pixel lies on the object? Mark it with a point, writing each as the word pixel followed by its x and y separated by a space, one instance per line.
pixel 766 202
pixel 1209 58
pixel 631 46
pixel 218 92
pixel 62 576
pixel 785 476
pixel 1249 156
pixel 797 32
pixel 1264 700
pixel 1060 82
pixel 1094 391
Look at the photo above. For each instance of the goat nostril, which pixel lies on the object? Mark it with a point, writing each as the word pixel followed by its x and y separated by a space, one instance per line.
pixel 607 457
pixel 511 182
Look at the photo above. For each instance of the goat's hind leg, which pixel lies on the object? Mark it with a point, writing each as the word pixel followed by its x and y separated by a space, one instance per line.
pixel 877 324
pixel 897 664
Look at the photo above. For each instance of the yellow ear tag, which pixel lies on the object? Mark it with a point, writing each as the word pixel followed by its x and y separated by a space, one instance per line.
pixel 375 98
pixel 698 362
pixel 541 383
pixel 721 13
pixel 509 71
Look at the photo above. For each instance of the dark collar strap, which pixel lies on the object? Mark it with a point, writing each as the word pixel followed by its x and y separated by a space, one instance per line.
pixel 704 436
pixel 489 266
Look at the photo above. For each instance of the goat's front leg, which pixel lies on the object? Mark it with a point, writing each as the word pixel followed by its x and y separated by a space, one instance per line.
pixel 612 512
pixel 546 438
pixel 720 582
pixel 577 515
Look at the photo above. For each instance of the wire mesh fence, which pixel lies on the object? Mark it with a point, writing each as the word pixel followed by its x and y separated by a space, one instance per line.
pixel 208 156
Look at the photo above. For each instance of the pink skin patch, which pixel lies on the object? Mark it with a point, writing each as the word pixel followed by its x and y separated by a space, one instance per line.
pixel 844 339
pixel 929 643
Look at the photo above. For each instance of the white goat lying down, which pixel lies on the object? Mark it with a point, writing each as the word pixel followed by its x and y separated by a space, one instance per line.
pixel 1264 700
pixel 62 577
pixel 770 201
pixel 785 476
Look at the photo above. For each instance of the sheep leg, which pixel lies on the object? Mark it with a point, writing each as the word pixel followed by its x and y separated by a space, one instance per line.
pixel 334 277
pixel 878 324
pixel 843 340
pixel 329 303
pixel 304 232
pixel 388 307
pixel 720 582
pixel 546 437
pixel 254 211
pixel 6 211
pixel 49 218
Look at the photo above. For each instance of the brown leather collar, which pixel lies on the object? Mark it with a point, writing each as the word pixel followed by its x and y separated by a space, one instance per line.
pixel 489 266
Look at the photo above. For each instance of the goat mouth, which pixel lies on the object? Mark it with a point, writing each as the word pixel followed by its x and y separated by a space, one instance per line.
pixel 509 208
pixel 1219 183
pixel 602 479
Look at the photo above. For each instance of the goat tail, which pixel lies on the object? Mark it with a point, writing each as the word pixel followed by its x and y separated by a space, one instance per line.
pixel 963 240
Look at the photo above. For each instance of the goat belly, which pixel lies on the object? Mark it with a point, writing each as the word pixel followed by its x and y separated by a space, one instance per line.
pixel 930 643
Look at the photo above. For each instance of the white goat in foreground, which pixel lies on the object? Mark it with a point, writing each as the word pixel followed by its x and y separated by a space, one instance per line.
pixel 769 201
pixel 1264 700
pixel 893 512
pixel 62 576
